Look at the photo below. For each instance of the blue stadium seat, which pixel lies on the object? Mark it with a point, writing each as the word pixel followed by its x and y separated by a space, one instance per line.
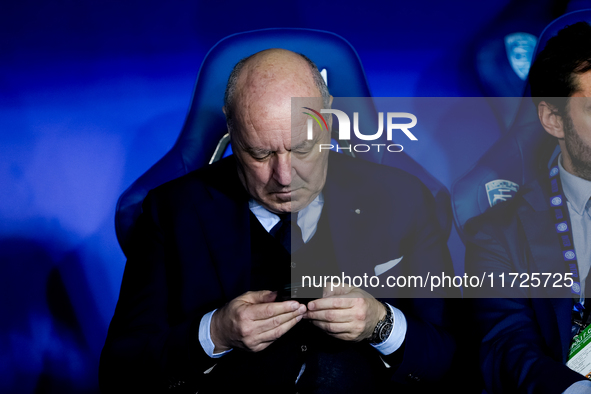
pixel 503 53
pixel 516 158
pixel 205 127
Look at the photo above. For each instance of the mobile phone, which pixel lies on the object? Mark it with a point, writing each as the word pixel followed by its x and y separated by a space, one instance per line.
pixel 295 291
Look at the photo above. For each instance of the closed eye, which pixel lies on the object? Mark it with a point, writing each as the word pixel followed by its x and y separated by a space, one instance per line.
pixel 261 156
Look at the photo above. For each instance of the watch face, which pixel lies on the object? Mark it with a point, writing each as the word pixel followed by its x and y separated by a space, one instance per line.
pixel 385 331
pixel 383 328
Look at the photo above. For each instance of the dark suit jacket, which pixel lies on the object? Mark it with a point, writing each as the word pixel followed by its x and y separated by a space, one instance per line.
pixel 525 331
pixel 193 255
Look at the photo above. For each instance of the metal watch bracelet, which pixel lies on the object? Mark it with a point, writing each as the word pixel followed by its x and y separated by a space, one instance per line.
pixel 383 328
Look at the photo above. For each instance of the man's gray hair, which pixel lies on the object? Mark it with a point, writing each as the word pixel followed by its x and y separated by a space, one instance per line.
pixel 233 79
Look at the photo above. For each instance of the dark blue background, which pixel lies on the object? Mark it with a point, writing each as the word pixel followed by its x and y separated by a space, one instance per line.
pixel 93 92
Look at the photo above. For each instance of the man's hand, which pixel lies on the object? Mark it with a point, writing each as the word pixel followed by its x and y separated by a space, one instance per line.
pixel 253 321
pixel 347 313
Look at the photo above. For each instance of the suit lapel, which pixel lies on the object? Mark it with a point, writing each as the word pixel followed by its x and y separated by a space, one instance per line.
pixel 232 248
pixel 545 249
pixel 227 228
pixel 340 208
pixel 352 211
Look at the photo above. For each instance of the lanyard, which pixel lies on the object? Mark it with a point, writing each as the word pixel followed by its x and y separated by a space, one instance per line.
pixel 562 225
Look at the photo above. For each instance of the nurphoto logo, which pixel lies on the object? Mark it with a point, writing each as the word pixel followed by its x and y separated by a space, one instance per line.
pixel 345 129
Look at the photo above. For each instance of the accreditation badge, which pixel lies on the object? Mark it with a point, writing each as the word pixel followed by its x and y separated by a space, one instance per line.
pixel 579 356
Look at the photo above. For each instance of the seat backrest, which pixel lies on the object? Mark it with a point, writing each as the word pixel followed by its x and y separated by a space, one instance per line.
pixel 205 123
pixel 516 158
pixel 504 51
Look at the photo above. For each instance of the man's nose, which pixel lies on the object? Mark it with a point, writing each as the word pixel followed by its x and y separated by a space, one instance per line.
pixel 282 169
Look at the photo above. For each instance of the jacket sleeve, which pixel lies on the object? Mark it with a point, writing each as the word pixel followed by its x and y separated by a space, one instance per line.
pixel 514 355
pixel 152 344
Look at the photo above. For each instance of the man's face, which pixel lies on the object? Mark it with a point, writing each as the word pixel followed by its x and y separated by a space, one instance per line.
pixel 278 166
pixel 577 129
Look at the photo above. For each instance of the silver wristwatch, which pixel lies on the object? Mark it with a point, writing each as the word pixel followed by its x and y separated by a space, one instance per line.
pixel 383 328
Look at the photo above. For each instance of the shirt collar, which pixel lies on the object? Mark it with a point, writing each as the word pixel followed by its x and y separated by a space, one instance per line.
pixel 576 190
pixel 307 217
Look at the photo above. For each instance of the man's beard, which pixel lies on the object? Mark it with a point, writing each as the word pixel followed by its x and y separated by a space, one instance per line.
pixel 579 152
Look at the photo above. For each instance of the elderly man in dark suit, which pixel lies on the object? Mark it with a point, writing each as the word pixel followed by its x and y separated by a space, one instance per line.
pixel 198 308
pixel 545 230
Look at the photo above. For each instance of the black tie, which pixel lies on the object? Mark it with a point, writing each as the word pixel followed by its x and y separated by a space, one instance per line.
pixel 288 233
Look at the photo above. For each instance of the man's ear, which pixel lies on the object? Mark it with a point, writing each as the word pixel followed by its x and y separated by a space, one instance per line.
pixel 329 120
pixel 550 120
pixel 224 111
